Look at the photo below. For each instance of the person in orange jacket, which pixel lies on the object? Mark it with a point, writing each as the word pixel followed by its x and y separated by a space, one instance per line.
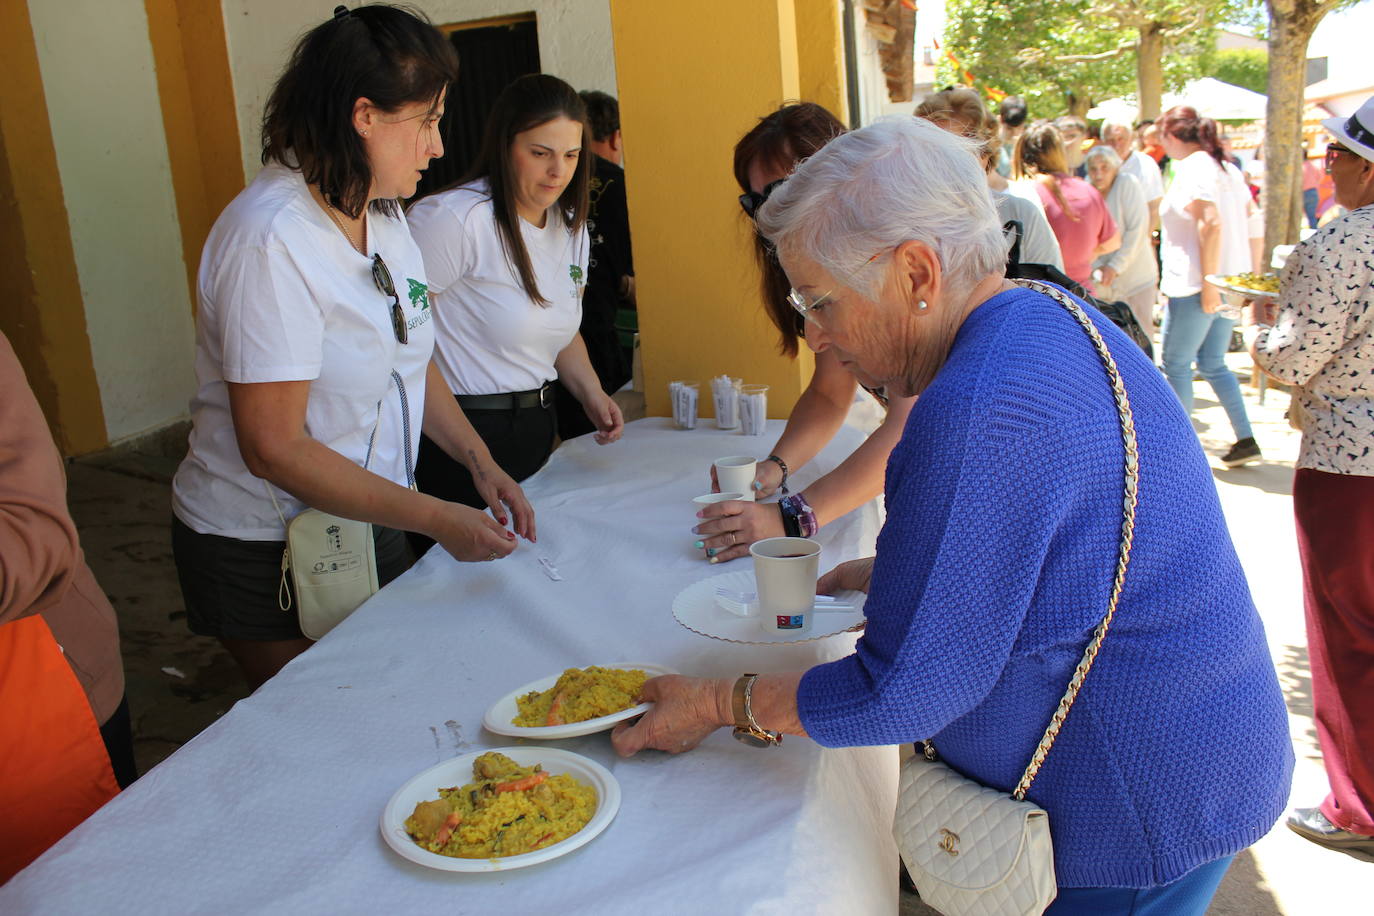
pixel 63 717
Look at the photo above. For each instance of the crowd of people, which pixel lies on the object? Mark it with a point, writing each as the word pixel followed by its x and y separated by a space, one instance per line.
pixel 407 366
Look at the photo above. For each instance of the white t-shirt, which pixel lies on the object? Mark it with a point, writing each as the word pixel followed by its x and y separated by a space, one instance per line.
pixel 1146 171
pixel 1039 245
pixel 284 297
pixel 490 337
pixel 1198 177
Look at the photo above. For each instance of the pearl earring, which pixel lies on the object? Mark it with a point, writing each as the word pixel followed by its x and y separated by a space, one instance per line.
pixel 921 305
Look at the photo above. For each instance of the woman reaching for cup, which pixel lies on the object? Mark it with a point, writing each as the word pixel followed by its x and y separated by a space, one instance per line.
pixel 764 157
pixel 1007 546
pixel 506 255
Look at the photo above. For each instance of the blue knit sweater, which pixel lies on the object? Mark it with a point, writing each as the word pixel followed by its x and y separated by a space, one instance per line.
pixel 1003 526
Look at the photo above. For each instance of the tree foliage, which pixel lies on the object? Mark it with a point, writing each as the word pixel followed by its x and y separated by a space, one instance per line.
pixel 1067 56
pixel 1247 67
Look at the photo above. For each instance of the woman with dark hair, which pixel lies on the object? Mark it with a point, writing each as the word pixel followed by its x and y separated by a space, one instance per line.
pixel 506 252
pixel 764 157
pixel 1203 227
pixel 313 341
pixel 1076 211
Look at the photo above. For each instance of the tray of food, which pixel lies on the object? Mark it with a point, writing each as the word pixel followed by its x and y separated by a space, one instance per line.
pixel 578 701
pixel 1247 285
pixel 501 809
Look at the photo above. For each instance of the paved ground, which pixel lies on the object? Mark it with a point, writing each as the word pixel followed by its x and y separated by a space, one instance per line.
pixel 179 684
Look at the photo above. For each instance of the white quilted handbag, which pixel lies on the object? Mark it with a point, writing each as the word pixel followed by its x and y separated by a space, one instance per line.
pixel 972 850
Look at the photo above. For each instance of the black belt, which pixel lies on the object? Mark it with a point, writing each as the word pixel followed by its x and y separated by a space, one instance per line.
pixel 515 400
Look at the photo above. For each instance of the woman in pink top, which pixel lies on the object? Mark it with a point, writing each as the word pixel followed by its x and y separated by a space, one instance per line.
pixel 1076 211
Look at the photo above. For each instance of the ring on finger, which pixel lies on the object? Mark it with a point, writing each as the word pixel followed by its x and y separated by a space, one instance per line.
pixel 732 539
pixel 492 556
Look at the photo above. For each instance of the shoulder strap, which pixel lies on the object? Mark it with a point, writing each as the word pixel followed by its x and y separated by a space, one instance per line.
pixel 1131 491
pixel 371 441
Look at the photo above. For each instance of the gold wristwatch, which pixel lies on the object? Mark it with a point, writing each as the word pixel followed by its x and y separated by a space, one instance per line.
pixel 746 729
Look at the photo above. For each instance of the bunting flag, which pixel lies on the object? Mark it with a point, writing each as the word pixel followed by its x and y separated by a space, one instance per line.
pixel 992 93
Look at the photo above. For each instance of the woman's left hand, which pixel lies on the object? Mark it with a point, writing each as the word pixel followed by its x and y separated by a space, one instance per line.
pixel 685 711
pixel 604 413
pixel 727 529
pixel 500 492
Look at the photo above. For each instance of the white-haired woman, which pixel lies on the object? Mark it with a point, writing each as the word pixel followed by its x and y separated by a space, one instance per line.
pixel 1004 502
pixel 1130 273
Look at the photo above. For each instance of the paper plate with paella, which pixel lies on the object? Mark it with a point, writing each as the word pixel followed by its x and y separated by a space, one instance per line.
pixel 502 809
pixel 577 701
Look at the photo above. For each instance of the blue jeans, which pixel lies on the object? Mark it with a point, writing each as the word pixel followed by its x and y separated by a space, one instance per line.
pixel 1188 896
pixel 1192 335
pixel 1310 199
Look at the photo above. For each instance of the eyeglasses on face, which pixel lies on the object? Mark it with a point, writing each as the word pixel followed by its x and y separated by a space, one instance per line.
pixel 1332 151
pixel 752 200
pixel 810 311
pixel 382 277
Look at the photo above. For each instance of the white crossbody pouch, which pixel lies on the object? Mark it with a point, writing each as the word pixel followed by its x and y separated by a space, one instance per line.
pixel 332 561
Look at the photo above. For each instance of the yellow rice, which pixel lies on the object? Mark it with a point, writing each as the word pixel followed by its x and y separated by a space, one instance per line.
pixel 498 824
pixel 586 693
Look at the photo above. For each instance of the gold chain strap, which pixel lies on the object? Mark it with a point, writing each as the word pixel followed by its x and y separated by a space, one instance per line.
pixel 1132 487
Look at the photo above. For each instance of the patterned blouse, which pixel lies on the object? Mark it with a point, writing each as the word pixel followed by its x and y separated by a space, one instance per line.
pixel 1323 344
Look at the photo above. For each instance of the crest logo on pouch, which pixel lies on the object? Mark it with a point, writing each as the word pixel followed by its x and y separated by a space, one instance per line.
pixel 332 539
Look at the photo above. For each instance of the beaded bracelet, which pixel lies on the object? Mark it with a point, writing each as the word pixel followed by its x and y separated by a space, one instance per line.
pixel 798 509
pixel 782 487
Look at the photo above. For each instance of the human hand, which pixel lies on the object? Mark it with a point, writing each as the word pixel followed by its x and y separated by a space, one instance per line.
pixel 604 413
pixel 1263 312
pixel 470 535
pixel 685 711
pixel 767 479
pixel 854 576
pixel 1108 276
pixel 500 491
pixel 1211 299
pixel 728 528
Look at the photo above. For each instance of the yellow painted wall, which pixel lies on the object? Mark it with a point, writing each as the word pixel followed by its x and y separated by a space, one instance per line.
pixel 693 78
pixel 820 55
pixel 196 91
pixel 43 314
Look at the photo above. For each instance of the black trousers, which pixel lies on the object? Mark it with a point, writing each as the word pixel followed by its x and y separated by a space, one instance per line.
pixel 118 736
pixel 520 441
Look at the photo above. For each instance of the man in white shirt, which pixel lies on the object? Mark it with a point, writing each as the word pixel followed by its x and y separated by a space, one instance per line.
pixel 1133 162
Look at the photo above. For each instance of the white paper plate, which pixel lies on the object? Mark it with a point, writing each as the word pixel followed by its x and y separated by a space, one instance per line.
pixel 498 718
pixel 696 609
pixel 1219 281
pixel 458 771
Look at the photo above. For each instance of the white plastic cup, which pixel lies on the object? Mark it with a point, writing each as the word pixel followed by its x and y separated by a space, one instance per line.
pixel 707 499
pixel 753 410
pixel 737 474
pixel 725 393
pixel 683 396
pixel 785 571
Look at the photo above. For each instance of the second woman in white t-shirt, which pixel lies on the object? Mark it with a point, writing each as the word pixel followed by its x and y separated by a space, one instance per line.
pixel 506 259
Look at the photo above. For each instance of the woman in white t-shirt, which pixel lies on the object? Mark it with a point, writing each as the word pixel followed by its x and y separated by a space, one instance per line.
pixel 314 341
pixel 506 252
pixel 1203 231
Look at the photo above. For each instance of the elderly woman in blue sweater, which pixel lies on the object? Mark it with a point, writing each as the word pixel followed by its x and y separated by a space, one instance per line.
pixel 1004 517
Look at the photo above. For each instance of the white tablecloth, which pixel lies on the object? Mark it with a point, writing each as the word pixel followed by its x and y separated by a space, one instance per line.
pixel 275 807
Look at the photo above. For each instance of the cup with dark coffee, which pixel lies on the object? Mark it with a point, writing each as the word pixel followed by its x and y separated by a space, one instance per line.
pixel 785 571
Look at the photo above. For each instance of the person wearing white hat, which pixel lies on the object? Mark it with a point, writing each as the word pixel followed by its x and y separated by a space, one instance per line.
pixel 1322 343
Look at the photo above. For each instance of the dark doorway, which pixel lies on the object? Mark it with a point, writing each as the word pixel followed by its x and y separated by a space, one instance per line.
pixel 491 54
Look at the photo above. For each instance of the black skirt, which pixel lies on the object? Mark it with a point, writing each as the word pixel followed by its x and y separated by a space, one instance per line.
pixel 231 586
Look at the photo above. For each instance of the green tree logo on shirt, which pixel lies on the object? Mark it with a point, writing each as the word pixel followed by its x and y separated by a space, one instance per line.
pixel 419 294
pixel 576 273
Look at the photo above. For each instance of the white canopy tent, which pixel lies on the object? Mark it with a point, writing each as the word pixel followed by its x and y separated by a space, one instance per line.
pixel 1211 97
